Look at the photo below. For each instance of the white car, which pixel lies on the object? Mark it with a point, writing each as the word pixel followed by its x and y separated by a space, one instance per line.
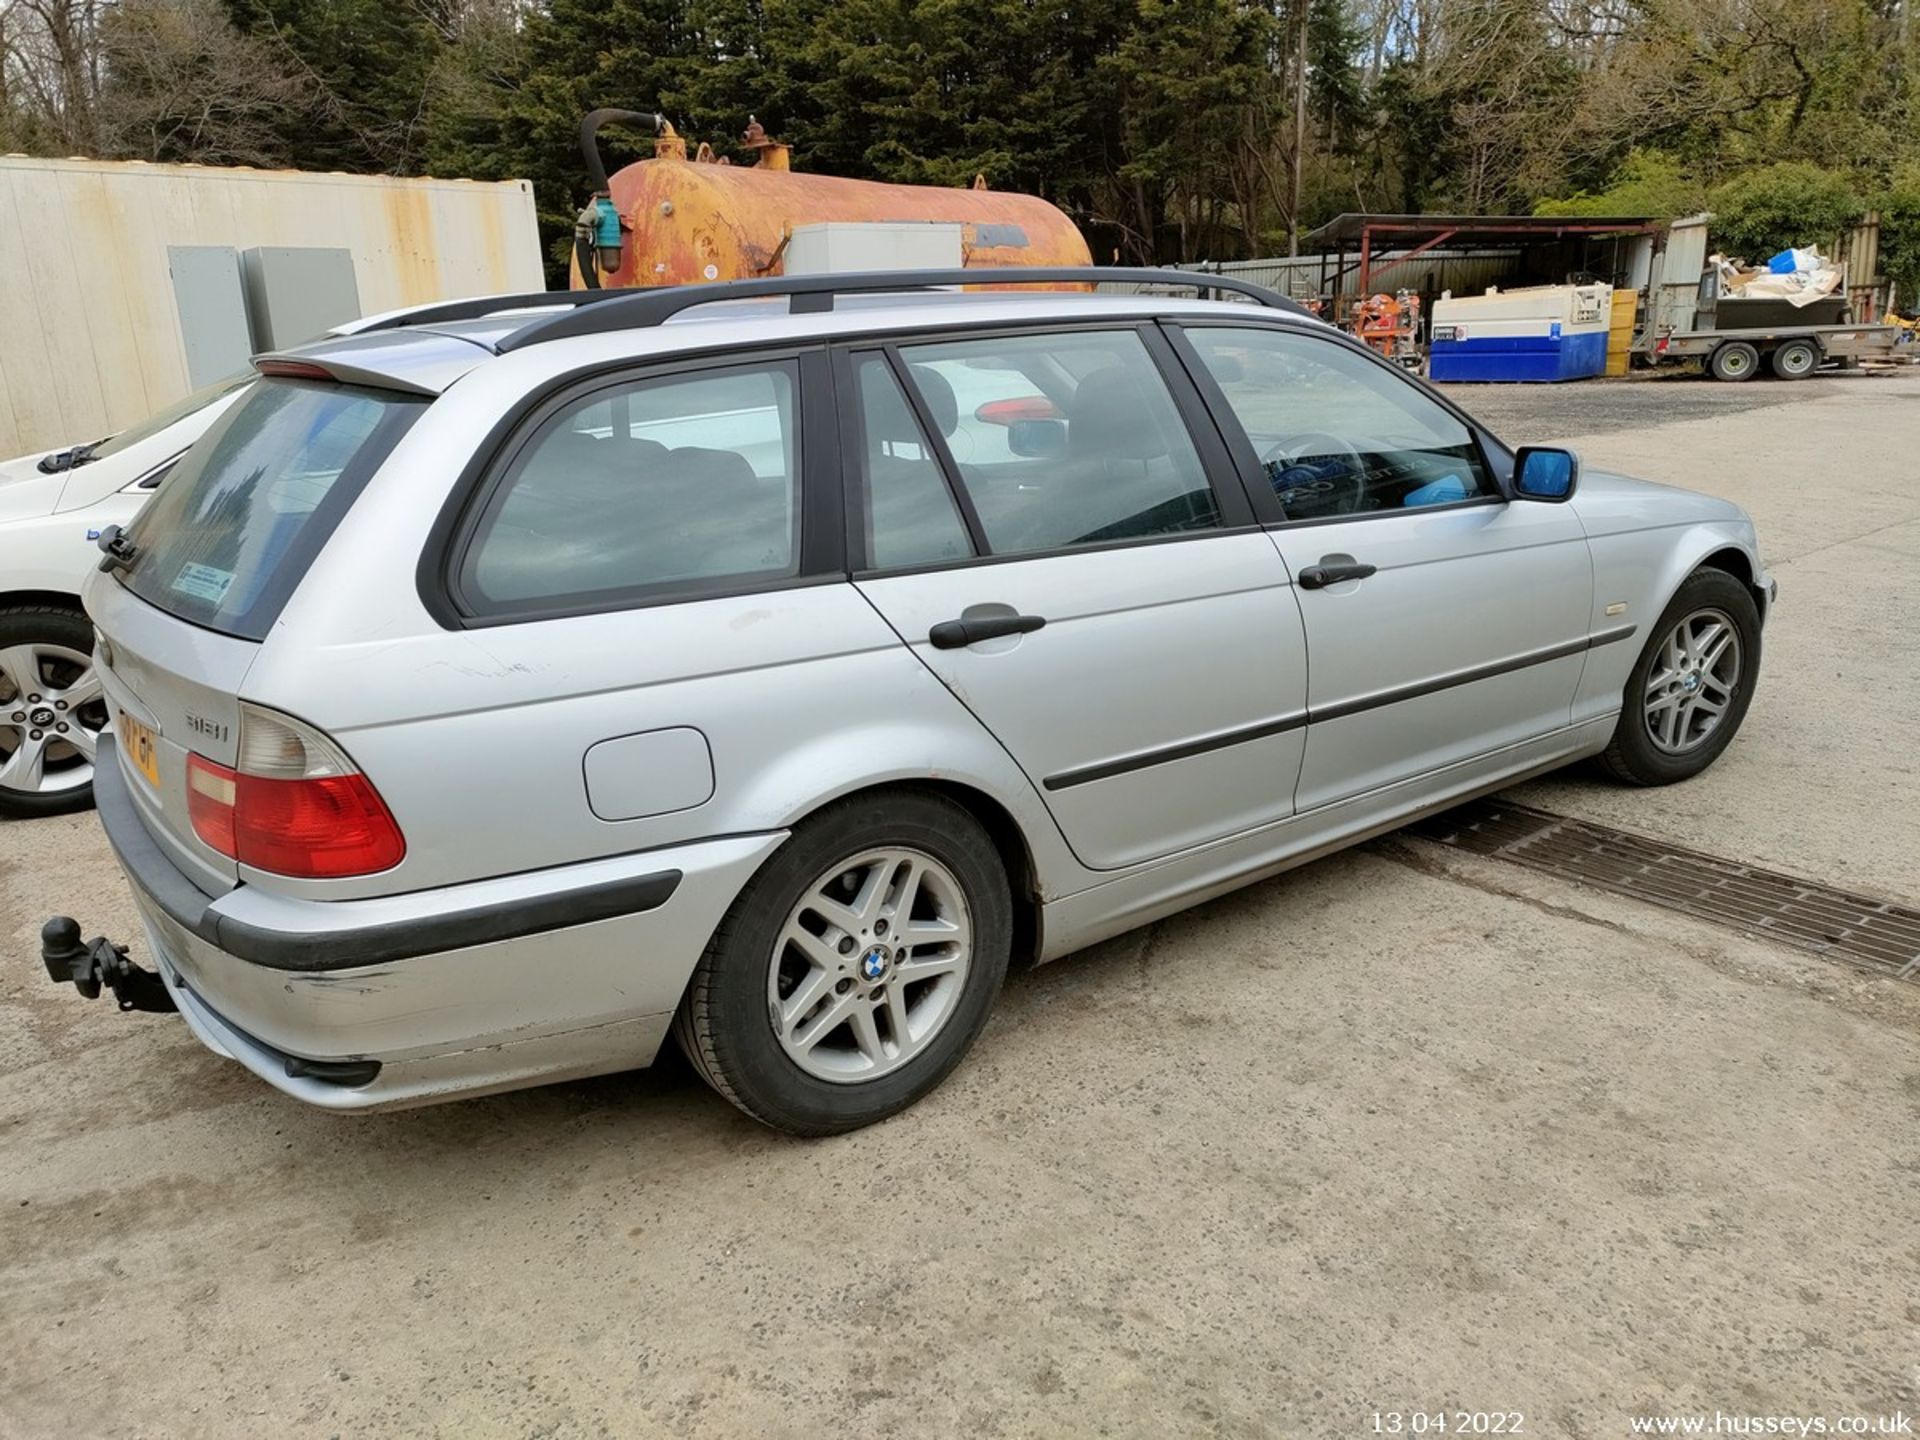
pixel 53 507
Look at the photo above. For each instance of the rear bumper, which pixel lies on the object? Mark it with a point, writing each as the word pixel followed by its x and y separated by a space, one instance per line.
pixel 479 987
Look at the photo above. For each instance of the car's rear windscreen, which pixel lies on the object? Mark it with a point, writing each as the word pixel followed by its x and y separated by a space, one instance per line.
pixel 234 527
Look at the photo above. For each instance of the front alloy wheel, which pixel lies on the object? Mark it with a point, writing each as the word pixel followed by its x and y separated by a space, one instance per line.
pixel 1693 683
pixel 1691 686
pixel 52 711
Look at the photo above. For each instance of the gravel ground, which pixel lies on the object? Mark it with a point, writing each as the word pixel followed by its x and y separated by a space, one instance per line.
pixel 1402 1131
pixel 1546 414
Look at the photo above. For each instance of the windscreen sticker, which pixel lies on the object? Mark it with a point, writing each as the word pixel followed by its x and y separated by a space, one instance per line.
pixel 203 582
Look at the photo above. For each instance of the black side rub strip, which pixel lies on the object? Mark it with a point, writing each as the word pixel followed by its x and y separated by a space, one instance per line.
pixel 1467 677
pixel 190 907
pixel 1186 750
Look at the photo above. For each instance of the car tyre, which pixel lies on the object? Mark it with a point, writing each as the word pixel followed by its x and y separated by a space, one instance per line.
pixel 1665 731
pixel 1795 360
pixel 1736 360
pixel 47 651
pixel 749 1022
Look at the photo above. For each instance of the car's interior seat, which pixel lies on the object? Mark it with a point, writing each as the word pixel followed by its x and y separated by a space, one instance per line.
pixel 1119 477
pixel 937 391
pixel 913 514
pixel 726 519
pixel 587 513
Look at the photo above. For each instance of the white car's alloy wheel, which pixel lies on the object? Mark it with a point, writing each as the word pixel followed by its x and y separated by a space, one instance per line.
pixel 51 715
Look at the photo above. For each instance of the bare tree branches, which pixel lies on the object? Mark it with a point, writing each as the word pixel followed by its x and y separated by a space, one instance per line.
pixel 186 86
pixel 50 71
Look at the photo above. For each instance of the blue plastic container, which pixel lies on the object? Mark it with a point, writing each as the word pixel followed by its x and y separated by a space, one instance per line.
pixel 1555 332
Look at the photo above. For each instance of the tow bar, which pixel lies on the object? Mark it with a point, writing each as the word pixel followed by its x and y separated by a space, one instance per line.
pixel 99 962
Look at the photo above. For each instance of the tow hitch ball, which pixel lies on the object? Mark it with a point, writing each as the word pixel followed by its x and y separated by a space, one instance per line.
pixel 97 962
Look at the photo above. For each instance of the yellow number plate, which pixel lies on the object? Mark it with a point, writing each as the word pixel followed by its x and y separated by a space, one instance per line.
pixel 137 740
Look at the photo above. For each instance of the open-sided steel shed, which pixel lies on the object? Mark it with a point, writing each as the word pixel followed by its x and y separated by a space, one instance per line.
pixel 1546 246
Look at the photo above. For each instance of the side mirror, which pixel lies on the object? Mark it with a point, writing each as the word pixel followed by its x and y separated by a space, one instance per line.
pixel 1037 439
pixel 1542 472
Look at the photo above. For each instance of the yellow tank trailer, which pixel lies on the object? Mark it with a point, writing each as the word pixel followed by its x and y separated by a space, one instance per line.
pixel 682 221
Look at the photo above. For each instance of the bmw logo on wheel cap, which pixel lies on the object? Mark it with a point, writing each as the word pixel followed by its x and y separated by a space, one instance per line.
pixel 874 963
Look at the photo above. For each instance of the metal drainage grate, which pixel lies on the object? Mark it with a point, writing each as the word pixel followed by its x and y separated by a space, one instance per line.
pixel 1869 932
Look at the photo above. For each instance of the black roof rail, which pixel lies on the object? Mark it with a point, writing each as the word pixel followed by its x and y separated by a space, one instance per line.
pixel 814 294
pixel 478 307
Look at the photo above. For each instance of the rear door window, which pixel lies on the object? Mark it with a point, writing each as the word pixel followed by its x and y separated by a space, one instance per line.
pixel 227 538
pixel 1064 440
pixel 681 484
pixel 911 515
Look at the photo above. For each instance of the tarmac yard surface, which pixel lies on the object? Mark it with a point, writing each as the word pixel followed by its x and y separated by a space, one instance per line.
pixel 1406 1131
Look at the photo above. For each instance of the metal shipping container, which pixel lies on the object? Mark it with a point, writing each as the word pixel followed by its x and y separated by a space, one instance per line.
pixel 91 336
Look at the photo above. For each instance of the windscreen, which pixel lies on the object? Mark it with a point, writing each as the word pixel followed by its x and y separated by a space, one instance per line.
pixel 241 517
pixel 172 415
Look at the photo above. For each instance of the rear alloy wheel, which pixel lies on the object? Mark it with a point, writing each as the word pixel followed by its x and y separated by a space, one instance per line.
pixel 1691 687
pixel 855 969
pixel 1795 360
pixel 51 710
pixel 1736 360
pixel 871 965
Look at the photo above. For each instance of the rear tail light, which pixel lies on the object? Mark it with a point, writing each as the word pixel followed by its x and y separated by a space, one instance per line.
pixel 293 805
pixel 211 790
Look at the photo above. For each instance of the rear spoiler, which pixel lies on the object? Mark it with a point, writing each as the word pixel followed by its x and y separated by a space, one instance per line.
pixel 411 362
pixel 287 367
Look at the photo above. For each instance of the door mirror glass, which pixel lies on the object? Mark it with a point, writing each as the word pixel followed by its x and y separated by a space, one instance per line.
pixel 1543 473
pixel 1037 439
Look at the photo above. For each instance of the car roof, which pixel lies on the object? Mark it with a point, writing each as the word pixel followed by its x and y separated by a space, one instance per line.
pixel 426 354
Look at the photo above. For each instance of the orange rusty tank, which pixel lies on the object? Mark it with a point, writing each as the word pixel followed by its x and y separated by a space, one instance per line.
pixel 697 220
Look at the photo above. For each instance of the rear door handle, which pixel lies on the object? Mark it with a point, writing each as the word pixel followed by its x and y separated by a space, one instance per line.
pixel 956 634
pixel 1328 572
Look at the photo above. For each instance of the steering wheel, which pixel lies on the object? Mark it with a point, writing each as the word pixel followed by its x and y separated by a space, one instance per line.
pixel 1320 494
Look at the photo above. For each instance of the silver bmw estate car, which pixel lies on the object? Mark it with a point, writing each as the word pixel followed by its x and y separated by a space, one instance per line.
pixel 774 664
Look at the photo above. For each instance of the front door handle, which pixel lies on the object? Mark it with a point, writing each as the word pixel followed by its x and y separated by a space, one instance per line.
pixel 1331 571
pixel 956 634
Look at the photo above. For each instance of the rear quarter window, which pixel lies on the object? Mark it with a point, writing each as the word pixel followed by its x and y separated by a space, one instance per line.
pixel 660 488
pixel 228 537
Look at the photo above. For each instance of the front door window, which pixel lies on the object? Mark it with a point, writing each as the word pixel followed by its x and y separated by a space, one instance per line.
pixel 1337 433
